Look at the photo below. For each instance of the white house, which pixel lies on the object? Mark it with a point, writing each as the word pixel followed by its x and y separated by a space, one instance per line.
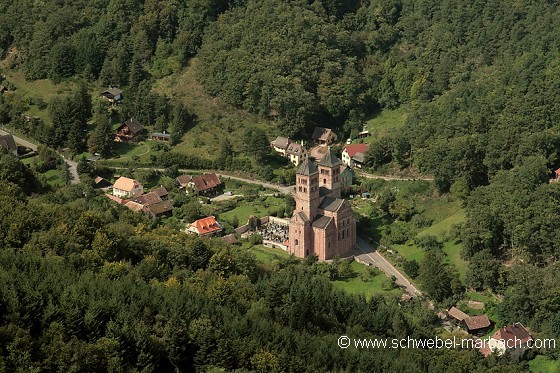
pixel 296 153
pixel 280 145
pixel 127 188
pixel 353 155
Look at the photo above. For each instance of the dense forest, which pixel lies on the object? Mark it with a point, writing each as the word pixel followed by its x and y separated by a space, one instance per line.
pixel 478 79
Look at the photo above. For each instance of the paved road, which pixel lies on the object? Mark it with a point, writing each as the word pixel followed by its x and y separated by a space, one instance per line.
pixel 372 176
pixel 368 254
pixel 72 166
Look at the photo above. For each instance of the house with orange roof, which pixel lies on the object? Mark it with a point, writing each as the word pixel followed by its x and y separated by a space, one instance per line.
pixel 125 187
pixel 208 226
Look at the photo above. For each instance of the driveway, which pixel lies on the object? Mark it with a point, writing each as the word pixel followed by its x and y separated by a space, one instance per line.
pixel 318 151
pixel 368 254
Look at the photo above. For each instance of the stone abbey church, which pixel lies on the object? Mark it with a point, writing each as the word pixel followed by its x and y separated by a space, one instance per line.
pixel 323 223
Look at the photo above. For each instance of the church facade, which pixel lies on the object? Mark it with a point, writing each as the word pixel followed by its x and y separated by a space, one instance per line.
pixel 323 223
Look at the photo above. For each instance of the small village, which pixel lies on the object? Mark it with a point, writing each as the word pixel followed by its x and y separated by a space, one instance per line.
pixel 284 232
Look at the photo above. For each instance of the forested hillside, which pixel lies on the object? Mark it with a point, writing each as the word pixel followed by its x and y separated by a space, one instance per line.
pixel 479 82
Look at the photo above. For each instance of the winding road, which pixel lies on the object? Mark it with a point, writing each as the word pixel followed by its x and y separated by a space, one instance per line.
pixel 72 166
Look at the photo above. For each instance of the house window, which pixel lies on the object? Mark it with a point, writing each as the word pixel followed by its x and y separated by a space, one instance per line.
pixel 296 242
pixel 324 181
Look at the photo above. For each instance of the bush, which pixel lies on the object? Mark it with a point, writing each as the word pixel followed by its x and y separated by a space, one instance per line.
pixel 420 221
pixel 428 242
pixel 398 233
pixel 255 239
pixel 411 267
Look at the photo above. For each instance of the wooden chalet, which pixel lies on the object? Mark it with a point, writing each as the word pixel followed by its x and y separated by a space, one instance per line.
pixel 160 136
pixel 323 136
pixel 129 131
pixel 112 94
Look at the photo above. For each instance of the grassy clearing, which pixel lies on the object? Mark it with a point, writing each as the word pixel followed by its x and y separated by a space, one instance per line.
pixel 443 226
pixel 410 252
pixel 215 119
pixel 134 155
pixel 379 284
pixel 544 364
pixel 38 92
pixel 444 214
pixel 383 122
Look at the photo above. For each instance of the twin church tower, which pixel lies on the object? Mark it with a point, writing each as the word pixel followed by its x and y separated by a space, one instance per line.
pixel 323 223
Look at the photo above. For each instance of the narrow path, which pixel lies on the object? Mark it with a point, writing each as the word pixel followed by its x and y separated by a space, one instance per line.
pixel 367 175
pixel 72 166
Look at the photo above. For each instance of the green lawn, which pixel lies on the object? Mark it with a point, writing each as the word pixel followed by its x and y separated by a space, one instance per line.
pixel 443 226
pixel 544 364
pixel 267 254
pixel 375 285
pixel 479 297
pixel 245 209
pixel 54 178
pixel 133 154
pixel 453 252
pixel 383 122
pixel 410 252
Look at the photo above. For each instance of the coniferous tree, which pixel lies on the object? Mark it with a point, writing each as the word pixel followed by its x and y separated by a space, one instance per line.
pixel 102 138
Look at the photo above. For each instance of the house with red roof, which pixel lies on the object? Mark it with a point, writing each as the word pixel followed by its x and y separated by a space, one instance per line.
pixel 513 338
pixel 353 155
pixel 208 185
pixel 208 226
